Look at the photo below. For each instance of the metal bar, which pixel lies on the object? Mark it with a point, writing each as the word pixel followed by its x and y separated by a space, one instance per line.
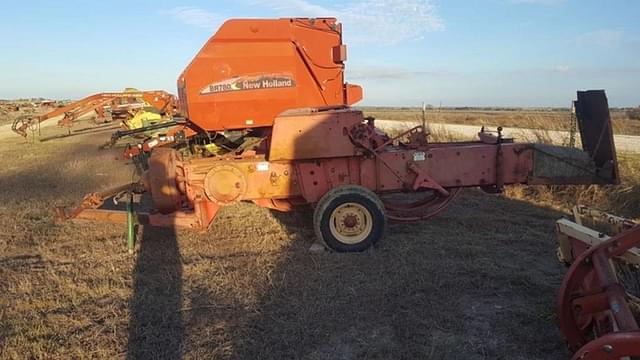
pixel 110 216
pixel 390 141
pixel 131 227
pixel 122 133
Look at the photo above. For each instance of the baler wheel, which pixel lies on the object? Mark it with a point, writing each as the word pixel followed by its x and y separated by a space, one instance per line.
pixel 417 206
pixel 349 219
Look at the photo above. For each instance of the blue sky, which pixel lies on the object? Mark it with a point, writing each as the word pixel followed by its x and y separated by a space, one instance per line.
pixel 454 52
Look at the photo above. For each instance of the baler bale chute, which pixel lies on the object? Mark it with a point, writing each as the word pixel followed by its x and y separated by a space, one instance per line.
pixel 268 120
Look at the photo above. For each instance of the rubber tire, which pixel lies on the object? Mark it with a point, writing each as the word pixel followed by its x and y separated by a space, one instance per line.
pixel 338 196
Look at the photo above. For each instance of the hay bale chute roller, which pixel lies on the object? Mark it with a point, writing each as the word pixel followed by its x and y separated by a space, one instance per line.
pixel 266 118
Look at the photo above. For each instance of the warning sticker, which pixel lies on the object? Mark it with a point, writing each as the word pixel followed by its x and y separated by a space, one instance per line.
pixel 419 156
pixel 262 166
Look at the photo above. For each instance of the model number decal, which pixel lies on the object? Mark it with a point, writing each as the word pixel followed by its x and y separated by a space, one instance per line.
pixel 241 83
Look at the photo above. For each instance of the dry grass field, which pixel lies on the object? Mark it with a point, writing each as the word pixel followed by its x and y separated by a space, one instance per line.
pixel 477 282
pixel 556 119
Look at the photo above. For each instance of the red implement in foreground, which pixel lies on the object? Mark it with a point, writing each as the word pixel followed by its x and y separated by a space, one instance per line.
pixel 597 314
pixel 268 121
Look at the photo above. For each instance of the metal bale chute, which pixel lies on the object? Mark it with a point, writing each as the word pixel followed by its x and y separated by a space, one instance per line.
pixel 596 163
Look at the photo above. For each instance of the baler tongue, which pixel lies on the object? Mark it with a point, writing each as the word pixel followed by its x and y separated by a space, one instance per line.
pixel 596 163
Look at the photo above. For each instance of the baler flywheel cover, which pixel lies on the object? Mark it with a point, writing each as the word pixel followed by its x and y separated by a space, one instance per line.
pixel 225 184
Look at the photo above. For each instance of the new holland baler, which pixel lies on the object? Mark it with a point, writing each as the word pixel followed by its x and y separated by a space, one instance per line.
pixel 268 119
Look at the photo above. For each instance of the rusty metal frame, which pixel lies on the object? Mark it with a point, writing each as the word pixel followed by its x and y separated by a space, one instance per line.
pixel 591 300
pixel 161 100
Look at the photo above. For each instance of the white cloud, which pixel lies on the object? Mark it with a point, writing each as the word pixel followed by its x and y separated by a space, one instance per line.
pixel 561 68
pixel 359 72
pixel 604 38
pixel 195 16
pixel 301 6
pixel 384 22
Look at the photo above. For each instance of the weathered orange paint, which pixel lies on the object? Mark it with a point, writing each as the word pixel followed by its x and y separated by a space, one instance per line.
pixel 230 82
pixel 312 134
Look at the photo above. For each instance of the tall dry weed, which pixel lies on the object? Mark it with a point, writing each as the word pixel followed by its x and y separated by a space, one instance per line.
pixel 623 199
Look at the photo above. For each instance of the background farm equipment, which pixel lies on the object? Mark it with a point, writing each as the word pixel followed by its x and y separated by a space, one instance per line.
pixel 599 302
pixel 124 106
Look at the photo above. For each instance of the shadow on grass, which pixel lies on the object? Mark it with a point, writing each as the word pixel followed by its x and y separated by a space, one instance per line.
pixel 156 330
pixel 476 282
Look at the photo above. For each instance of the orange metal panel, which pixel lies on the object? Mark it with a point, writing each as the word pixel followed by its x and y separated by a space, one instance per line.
pixel 255 178
pixel 313 181
pixel 459 165
pixel 313 135
pixel 354 94
pixel 251 70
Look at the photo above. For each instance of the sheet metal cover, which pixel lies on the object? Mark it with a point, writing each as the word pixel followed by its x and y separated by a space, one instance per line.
pixel 592 111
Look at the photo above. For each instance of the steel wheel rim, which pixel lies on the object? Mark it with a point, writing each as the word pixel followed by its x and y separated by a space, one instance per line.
pixel 350 223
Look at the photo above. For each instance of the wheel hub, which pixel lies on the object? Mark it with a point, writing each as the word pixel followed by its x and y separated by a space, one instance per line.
pixel 351 220
pixel 351 223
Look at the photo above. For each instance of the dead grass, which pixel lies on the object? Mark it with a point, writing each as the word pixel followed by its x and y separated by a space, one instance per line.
pixel 623 199
pixel 529 119
pixel 477 282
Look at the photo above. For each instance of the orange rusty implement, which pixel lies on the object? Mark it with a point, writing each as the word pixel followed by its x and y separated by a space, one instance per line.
pixel 161 100
pixel 268 120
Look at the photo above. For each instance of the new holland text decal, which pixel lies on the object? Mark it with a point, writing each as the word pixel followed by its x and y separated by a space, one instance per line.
pixel 240 83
